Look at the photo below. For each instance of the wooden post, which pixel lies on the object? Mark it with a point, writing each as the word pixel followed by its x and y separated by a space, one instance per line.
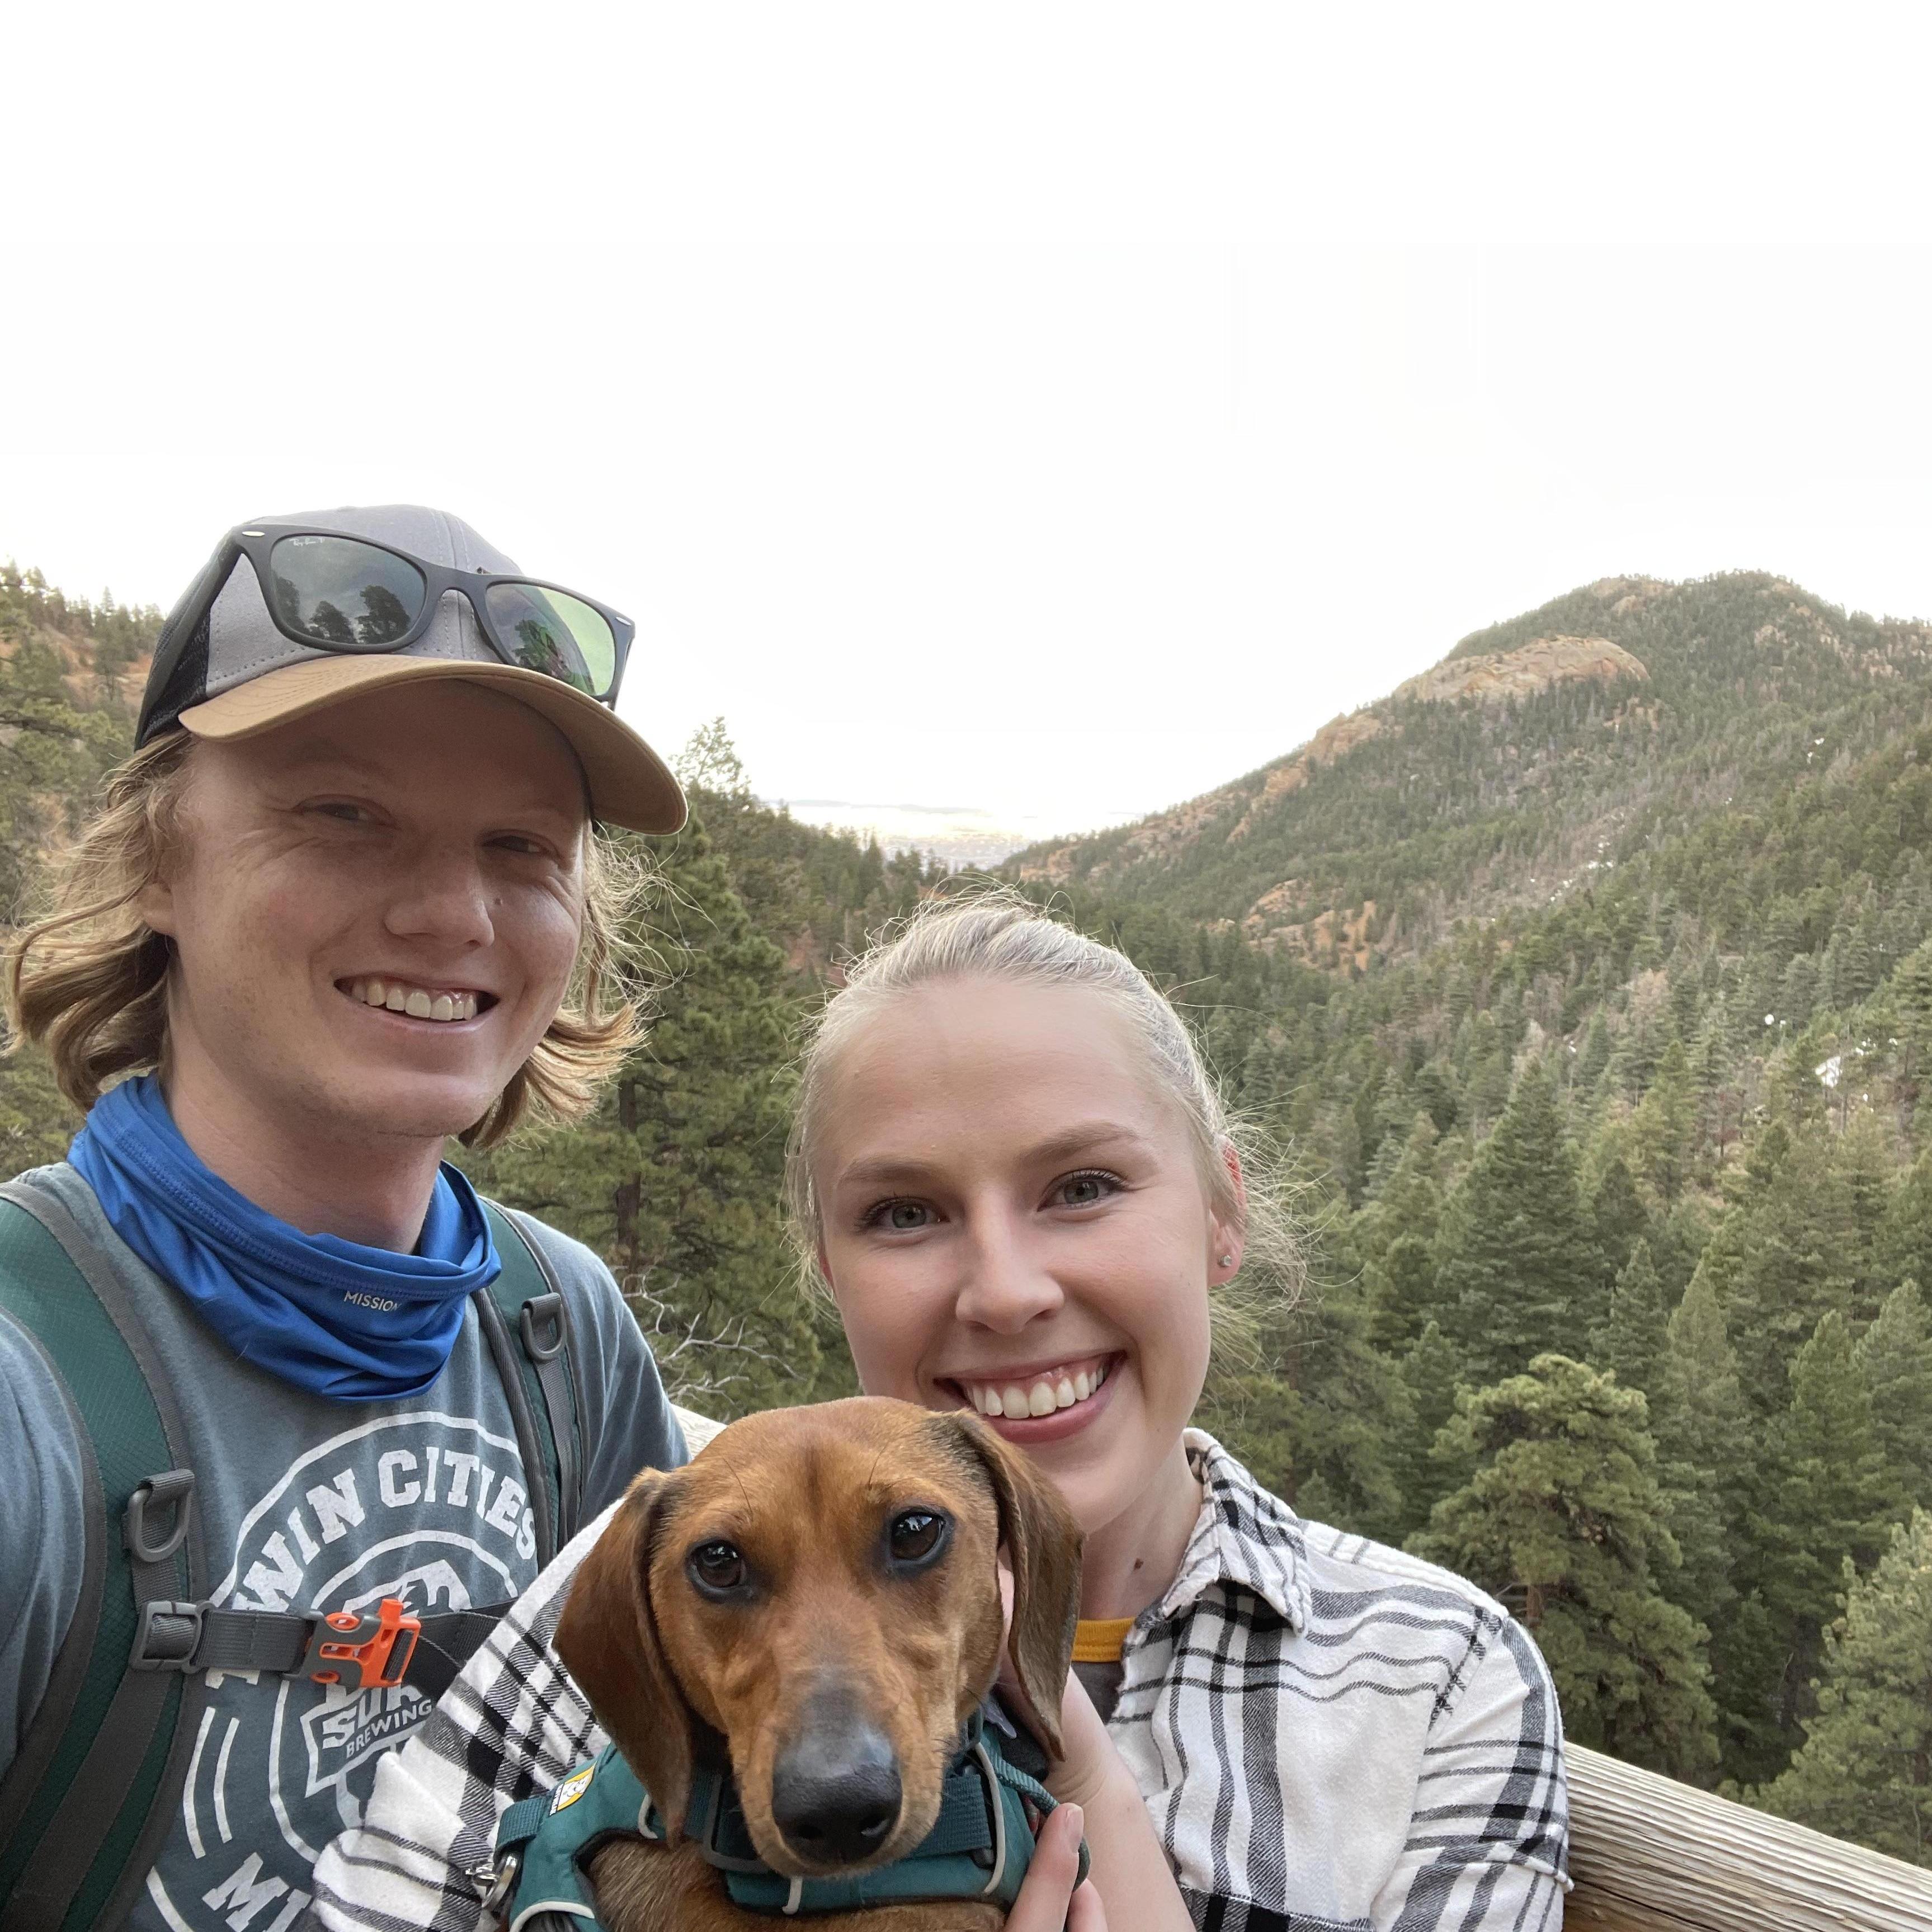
pixel 1650 1855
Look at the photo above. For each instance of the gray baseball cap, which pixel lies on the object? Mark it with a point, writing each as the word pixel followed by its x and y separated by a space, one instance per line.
pixel 237 672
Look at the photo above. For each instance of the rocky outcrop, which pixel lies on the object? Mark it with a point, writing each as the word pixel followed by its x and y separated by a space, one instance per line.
pixel 1497 676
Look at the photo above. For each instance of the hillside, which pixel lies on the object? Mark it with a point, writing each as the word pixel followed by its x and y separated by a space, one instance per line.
pixel 1584 982
pixel 1537 754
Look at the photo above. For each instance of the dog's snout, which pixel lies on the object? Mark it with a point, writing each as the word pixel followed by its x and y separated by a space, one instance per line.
pixel 835 1793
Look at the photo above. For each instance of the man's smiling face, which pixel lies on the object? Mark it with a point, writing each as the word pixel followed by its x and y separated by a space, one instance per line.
pixel 375 911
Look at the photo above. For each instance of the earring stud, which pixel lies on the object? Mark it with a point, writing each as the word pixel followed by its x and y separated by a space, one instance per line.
pixel 1227 1261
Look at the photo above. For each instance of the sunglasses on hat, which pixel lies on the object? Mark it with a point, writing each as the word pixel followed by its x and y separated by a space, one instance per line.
pixel 332 593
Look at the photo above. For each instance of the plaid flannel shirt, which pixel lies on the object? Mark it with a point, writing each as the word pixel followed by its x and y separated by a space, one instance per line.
pixel 1330 1735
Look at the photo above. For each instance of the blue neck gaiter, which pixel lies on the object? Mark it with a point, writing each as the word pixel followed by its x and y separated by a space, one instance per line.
pixel 349 1323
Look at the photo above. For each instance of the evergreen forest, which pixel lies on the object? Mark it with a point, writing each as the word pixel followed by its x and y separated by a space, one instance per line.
pixel 1584 984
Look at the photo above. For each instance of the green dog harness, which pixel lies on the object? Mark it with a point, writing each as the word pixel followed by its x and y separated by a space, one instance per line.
pixel 980 1846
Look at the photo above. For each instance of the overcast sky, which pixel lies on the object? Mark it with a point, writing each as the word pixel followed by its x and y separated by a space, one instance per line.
pixel 1049 410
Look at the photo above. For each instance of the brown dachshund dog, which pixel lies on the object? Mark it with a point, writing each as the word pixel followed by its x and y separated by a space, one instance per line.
pixel 817 1594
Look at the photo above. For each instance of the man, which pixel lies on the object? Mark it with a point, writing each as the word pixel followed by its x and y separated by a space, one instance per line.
pixel 344 902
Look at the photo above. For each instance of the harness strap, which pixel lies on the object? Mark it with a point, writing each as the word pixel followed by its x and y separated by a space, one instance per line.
pixel 980 1846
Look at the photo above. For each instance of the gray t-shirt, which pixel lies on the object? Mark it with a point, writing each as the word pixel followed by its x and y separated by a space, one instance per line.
pixel 304 1505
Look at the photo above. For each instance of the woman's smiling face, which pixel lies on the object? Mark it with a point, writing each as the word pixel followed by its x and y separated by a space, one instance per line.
pixel 1013 1218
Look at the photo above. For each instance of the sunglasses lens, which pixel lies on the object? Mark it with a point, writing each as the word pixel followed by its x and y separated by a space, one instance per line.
pixel 555 633
pixel 342 594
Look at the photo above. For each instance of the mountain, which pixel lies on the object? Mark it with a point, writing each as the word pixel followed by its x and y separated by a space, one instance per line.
pixel 1533 758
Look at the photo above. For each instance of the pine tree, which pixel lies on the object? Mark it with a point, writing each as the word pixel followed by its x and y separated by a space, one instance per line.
pixel 1322 1425
pixel 1719 1111
pixel 1595 1056
pixel 1865 1177
pixel 1519 1267
pixel 675 1177
pixel 1403 1298
pixel 1392 1240
pixel 1822 1499
pixel 1701 1428
pixel 1665 1124
pixel 1864 1771
pixel 1633 1342
pixel 1894 1356
pixel 1781 1257
pixel 1618 1218
pixel 710 762
pixel 1409 1201
pixel 1431 1373
pixel 1563 1520
pixel 1903 1245
pixel 1486 1071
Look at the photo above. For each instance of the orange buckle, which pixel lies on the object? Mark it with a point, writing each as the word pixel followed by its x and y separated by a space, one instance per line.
pixel 377 1649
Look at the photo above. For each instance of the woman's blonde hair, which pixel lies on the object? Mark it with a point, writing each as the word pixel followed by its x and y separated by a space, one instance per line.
pixel 994 933
pixel 88 982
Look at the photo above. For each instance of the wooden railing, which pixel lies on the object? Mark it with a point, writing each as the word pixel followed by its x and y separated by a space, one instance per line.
pixel 1649 1855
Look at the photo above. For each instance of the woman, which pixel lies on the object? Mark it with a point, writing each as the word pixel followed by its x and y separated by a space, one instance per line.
pixel 1013 1176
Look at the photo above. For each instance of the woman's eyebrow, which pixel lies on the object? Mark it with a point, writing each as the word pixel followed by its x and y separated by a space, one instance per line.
pixel 1088 1138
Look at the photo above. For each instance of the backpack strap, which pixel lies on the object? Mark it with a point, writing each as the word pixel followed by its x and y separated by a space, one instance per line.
pixel 88 1798
pixel 539 1378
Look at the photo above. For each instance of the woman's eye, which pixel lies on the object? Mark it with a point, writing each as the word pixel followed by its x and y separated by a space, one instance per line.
pixel 915 1535
pixel 1083 1190
pixel 903 1217
pixel 717 1567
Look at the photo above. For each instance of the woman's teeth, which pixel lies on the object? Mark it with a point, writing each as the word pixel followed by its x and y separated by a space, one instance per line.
pixel 420 1003
pixel 1058 1388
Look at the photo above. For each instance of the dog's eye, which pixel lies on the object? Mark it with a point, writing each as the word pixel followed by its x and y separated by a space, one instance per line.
pixel 716 1566
pixel 915 1535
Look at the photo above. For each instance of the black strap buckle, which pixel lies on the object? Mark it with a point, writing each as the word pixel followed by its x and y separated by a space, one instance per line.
pixel 174 1490
pixel 166 1636
pixel 548 1309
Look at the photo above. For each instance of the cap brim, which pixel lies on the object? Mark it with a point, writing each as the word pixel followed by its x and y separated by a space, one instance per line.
pixel 629 783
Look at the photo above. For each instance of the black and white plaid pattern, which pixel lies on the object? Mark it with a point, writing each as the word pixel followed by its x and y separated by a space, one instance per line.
pixel 1330 1736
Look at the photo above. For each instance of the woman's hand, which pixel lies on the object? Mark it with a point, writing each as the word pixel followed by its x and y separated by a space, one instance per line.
pixel 1049 1899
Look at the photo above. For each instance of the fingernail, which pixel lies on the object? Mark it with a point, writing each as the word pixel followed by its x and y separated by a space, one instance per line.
pixel 1078 1829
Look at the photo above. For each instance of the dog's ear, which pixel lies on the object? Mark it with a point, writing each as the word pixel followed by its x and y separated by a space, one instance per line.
pixel 1043 1544
pixel 607 1637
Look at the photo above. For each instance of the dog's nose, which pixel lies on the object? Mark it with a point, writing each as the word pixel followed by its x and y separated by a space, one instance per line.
pixel 836 1795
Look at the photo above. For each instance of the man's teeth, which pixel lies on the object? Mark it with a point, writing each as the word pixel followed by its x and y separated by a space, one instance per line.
pixel 1060 1388
pixel 418 1002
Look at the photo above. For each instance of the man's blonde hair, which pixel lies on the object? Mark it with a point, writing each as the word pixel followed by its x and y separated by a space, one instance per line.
pixel 88 982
